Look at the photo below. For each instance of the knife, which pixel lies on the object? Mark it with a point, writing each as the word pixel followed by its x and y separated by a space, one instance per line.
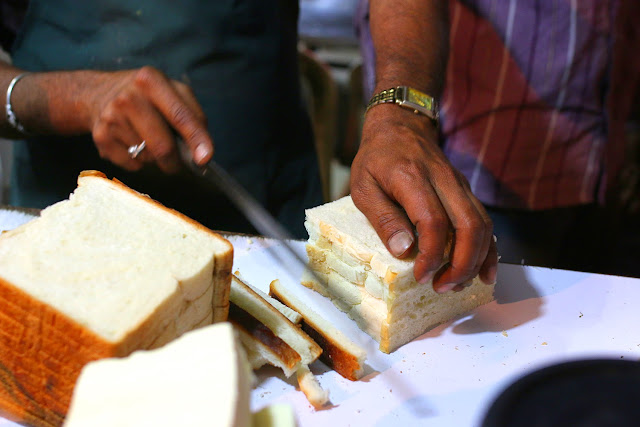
pixel 257 215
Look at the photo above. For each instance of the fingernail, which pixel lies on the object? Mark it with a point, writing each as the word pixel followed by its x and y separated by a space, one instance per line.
pixel 201 153
pixel 492 275
pixel 400 242
pixel 458 288
pixel 427 278
pixel 446 287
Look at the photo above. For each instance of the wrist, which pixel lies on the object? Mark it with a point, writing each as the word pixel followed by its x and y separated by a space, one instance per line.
pixel 53 103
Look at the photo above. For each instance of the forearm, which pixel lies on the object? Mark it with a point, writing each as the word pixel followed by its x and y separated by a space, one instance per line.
pixel 411 40
pixel 47 103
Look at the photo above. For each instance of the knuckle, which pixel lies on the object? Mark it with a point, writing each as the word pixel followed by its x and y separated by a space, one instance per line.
pixel 146 77
pixel 465 271
pixel 474 224
pixel 109 115
pixel 181 116
pixel 122 101
pixel 408 170
pixel 386 221
pixel 435 222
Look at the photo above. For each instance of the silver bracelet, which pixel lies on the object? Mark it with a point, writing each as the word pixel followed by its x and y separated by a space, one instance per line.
pixel 11 115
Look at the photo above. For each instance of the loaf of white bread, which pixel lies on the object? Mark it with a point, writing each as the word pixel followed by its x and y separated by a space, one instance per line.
pixel 102 274
pixel 202 378
pixel 373 287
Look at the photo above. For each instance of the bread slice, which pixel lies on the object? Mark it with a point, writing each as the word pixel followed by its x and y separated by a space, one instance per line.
pixel 311 387
pixel 276 415
pixel 338 351
pixel 290 314
pixel 374 288
pixel 107 272
pixel 251 312
pixel 202 378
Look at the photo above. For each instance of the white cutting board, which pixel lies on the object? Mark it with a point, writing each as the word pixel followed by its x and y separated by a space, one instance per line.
pixel 451 374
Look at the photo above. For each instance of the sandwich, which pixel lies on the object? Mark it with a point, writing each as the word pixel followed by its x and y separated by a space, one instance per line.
pixel 269 335
pixel 376 290
pixel 102 274
pixel 339 352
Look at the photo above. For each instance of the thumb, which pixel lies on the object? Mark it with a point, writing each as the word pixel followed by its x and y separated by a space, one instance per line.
pixel 389 221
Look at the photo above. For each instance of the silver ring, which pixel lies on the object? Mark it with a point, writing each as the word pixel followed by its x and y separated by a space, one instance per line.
pixel 135 150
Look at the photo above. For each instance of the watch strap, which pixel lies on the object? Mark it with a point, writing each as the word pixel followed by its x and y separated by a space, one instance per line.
pixel 409 98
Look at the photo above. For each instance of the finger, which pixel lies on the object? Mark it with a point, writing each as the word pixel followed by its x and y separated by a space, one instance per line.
pixel 125 135
pixel 489 268
pixel 488 227
pixel 151 127
pixel 112 137
pixel 176 112
pixel 189 98
pixel 394 222
pixel 122 158
pixel 426 212
pixel 387 218
pixel 468 227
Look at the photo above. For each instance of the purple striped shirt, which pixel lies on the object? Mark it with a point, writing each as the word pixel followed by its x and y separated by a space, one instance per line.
pixel 526 111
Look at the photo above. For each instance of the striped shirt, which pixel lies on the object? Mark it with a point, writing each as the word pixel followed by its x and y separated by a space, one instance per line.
pixel 533 113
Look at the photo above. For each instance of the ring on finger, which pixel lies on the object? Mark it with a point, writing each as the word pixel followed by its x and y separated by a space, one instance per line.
pixel 135 150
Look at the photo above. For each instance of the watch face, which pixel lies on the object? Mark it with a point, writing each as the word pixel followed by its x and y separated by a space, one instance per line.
pixel 416 97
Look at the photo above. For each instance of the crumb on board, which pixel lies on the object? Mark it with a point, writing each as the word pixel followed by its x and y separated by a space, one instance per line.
pixel 544 343
pixel 504 333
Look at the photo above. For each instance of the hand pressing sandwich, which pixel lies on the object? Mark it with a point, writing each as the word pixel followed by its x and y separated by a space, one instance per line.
pixel 400 178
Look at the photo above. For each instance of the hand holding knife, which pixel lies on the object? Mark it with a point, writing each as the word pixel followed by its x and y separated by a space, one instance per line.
pixel 257 215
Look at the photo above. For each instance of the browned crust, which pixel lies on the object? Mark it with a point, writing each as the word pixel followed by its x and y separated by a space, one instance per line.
pixel 42 352
pixel 258 331
pixel 223 261
pixel 333 354
pixel 316 349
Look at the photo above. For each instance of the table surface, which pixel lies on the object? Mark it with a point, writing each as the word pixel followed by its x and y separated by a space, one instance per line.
pixel 451 374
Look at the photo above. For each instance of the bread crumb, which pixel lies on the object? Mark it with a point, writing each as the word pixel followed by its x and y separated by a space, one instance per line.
pixel 504 333
pixel 581 314
pixel 544 343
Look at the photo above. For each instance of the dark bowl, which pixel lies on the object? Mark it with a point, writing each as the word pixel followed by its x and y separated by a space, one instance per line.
pixel 581 393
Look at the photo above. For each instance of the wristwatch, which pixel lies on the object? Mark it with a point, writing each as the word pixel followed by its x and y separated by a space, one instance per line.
pixel 408 97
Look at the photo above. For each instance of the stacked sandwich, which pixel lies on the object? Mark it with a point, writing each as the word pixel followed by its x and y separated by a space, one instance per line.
pixel 374 288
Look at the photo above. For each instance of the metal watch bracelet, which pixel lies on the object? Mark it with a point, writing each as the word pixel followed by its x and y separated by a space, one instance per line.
pixel 407 97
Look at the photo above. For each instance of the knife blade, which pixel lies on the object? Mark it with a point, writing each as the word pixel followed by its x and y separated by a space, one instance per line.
pixel 257 215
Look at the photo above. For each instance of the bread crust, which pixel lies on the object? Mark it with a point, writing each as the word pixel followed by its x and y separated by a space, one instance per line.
pixel 42 351
pixel 257 331
pixel 334 354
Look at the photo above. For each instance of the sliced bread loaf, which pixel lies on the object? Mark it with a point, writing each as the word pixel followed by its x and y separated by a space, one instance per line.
pixel 102 274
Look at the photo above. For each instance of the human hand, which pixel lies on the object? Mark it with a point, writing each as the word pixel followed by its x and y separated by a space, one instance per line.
pixel 128 107
pixel 401 181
